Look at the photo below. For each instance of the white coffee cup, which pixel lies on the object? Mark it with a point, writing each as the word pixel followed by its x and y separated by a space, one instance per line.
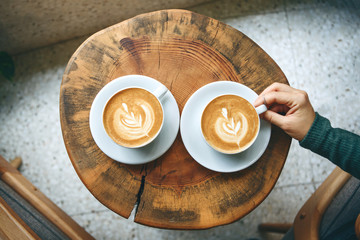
pixel 133 116
pixel 230 124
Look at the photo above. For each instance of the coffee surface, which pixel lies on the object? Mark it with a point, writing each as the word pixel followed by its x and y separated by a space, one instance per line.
pixel 133 117
pixel 229 123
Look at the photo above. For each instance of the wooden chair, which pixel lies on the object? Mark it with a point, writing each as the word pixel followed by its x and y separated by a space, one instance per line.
pixel 14 226
pixel 307 222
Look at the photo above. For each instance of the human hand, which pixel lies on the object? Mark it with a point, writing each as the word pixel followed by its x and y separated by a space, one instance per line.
pixel 298 112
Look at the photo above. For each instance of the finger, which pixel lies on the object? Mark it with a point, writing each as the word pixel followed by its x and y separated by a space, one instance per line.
pixel 277 87
pixel 279 108
pixel 259 101
pixel 274 118
pixel 282 98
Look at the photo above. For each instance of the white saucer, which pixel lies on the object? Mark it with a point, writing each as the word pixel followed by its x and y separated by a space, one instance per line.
pixel 195 143
pixel 141 155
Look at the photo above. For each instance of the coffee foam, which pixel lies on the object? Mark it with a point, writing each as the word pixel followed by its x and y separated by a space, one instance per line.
pixel 133 117
pixel 229 123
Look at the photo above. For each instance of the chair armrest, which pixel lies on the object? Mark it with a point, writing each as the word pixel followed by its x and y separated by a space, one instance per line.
pixel 308 219
pixel 13 178
pixel 12 226
pixel 357 227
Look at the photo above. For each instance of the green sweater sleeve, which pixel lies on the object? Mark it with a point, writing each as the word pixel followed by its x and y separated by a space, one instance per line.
pixel 339 146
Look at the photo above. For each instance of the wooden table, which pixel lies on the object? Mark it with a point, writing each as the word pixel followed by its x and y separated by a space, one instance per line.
pixel 184 51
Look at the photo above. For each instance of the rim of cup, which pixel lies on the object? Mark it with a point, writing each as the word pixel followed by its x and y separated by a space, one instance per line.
pixel 243 149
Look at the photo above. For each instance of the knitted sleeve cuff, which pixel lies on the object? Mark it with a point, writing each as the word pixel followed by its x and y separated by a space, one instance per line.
pixel 318 129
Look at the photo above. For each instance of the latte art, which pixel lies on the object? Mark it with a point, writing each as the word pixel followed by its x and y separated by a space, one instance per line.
pixel 135 125
pixel 133 117
pixel 231 129
pixel 229 123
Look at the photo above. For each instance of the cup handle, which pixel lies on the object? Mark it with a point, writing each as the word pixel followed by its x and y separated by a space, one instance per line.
pixel 261 109
pixel 160 91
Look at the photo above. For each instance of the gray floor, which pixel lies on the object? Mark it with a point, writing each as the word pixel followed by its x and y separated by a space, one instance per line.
pixel 317 45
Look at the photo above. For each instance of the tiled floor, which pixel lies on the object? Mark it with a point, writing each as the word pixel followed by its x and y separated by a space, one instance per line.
pixel 317 45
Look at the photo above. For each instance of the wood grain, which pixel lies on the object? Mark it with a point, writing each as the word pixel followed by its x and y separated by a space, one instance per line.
pixel 184 51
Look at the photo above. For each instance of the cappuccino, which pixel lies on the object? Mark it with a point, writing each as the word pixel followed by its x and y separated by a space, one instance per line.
pixel 133 117
pixel 229 124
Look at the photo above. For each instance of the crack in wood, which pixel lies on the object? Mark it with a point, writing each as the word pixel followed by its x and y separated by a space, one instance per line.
pixel 141 189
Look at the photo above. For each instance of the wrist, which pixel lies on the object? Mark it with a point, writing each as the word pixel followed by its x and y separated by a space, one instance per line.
pixel 310 128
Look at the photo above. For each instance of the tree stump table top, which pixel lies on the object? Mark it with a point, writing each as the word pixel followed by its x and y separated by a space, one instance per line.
pixel 184 51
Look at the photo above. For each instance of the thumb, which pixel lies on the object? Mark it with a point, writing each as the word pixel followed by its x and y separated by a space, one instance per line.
pixel 274 118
